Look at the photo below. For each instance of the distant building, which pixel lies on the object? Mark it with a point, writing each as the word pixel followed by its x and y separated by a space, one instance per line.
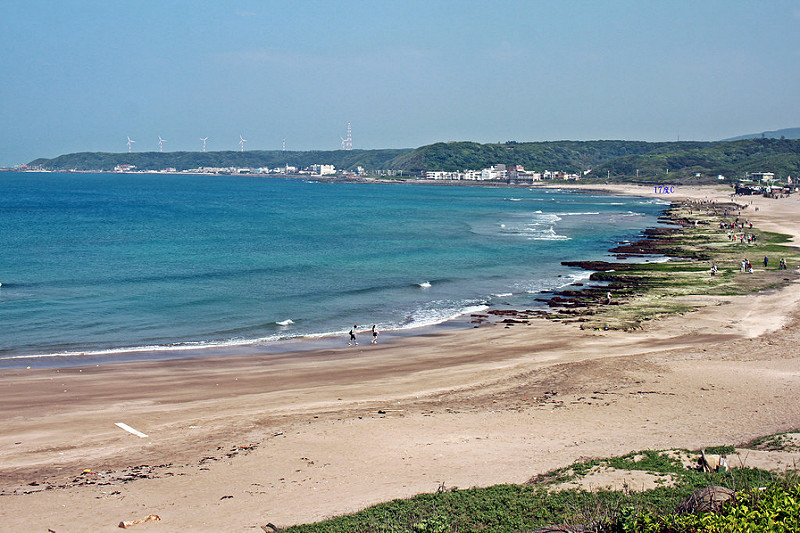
pixel 322 170
pixel 388 172
pixel 517 174
pixel 495 172
pixel 499 172
pixel 472 175
pixel 442 175
pixel 762 176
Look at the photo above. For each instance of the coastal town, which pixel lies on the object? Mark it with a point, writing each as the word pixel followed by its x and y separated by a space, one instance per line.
pixel 753 183
pixel 499 172
pixel 494 173
pixel 760 182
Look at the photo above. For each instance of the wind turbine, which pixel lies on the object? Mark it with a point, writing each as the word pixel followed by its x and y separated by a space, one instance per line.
pixel 242 140
pixel 161 143
pixel 204 139
pixel 130 142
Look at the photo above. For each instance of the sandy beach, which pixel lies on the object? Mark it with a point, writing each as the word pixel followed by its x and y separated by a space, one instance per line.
pixel 235 442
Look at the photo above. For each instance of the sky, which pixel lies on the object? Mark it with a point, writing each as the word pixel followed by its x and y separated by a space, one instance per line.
pixel 86 75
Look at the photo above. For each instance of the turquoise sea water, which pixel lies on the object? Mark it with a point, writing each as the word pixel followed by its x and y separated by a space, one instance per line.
pixel 108 263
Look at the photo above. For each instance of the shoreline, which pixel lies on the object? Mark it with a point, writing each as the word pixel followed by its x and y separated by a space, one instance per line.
pixel 199 350
pixel 299 436
pixel 80 356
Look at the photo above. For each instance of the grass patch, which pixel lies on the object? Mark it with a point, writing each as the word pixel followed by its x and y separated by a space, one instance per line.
pixel 644 289
pixel 720 450
pixel 788 441
pixel 512 508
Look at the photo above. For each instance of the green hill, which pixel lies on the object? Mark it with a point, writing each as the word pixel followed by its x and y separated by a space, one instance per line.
pixel 676 162
pixel 558 155
pixel 731 159
pixel 342 159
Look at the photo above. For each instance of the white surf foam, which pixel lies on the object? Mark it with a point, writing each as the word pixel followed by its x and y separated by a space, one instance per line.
pixel 437 314
pixel 548 235
pixel 576 277
pixel 184 346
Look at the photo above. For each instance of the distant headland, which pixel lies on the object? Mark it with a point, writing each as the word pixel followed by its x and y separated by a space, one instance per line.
pixel 686 162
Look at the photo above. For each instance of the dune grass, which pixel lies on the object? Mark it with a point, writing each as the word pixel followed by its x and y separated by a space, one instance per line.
pixel 517 508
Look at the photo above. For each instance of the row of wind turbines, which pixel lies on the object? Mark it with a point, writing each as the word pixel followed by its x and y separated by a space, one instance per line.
pixel 161 142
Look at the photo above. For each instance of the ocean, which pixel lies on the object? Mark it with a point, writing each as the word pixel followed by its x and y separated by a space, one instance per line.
pixel 107 267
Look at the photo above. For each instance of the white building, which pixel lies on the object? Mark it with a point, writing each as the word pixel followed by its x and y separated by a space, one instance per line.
pixel 442 175
pixel 322 170
pixel 495 172
pixel 518 173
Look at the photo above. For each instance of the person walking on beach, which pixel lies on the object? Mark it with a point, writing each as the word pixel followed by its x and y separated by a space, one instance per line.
pixel 374 334
pixel 608 298
pixel 353 337
pixel 766 260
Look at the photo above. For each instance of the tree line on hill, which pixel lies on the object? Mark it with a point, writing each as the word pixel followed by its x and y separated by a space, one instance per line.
pixel 676 162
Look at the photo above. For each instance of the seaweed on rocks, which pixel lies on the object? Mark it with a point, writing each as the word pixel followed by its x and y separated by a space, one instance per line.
pixel 622 295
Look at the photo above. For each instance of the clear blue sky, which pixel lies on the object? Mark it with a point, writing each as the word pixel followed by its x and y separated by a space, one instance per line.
pixel 83 75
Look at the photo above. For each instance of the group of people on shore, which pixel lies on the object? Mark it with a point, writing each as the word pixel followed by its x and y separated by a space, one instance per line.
pixel 354 330
pixel 781 263
pixel 747 266
pixel 750 239
pixel 735 224
pixel 739 224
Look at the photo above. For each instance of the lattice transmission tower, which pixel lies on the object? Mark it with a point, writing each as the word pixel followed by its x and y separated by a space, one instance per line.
pixel 347 143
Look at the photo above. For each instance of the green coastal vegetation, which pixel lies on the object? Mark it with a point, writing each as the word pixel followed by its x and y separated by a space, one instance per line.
pixel 759 500
pixel 629 161
pixel 699 240
pixel 705 259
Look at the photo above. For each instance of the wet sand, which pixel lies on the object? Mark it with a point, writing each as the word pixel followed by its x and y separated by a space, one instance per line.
pixel 235 442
